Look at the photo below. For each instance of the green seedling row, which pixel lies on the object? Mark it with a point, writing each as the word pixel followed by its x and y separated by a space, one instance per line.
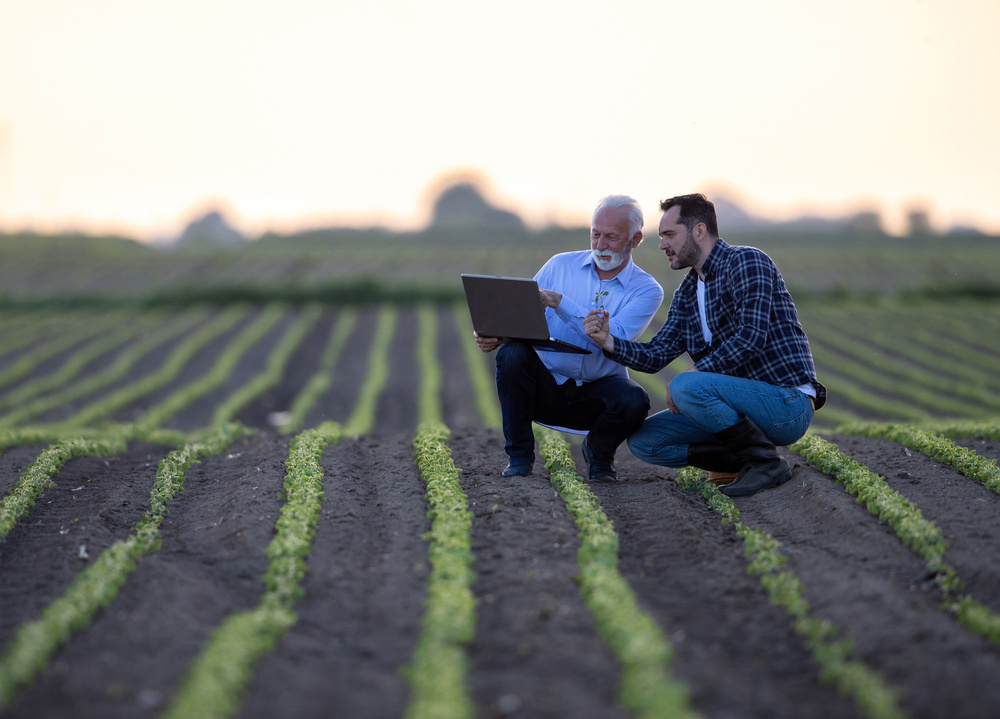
pixel 483 387
pixel 36 641
pixel 867 688
pixel 429 409
pixel 362 419
pixel 865 398
pixel 217 376
pixel 919 534
pixel 273 372
pixel 934 445
pixel 125 361
pixel 930 390
pixel 21 329
pixel 437 672
pixel 38 477
pixel 647 688
pixel 71 336
pixel 75 363
pixel 925 349
pixel 217 680
pixel 98 410
pixel 989 429
pixel 322 379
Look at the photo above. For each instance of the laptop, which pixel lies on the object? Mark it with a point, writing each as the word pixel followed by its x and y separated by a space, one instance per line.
pixel 509 307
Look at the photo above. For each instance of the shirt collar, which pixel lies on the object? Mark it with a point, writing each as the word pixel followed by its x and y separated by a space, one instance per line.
pixel 625 276
pixel 715 257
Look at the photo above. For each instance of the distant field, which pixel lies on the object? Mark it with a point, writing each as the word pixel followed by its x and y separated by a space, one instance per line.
pixel 819 264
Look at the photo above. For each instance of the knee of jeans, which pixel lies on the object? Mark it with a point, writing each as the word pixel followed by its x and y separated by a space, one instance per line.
pixel 638 446
pixel 649 447
pixel 683 387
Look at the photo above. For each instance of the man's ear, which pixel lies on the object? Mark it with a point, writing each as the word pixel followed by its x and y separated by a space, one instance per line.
pixel 700 232
pixel 636 239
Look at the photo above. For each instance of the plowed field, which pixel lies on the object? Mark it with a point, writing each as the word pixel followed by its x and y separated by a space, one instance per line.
pixel 536 650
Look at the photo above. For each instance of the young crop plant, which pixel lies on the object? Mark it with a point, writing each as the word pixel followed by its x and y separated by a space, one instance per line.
pixel 919 534
pixel 214 686
pixel 96 587
pixel 38 477
pixel 868 689
pixel 647 689
pixel 439 666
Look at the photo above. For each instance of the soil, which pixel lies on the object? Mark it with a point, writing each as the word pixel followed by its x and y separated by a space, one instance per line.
pixel 536 652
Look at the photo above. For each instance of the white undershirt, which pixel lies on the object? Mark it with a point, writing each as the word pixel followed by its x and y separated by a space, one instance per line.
pixel 706 333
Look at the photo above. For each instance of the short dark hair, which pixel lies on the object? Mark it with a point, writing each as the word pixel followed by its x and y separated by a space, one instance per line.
pixel 695 208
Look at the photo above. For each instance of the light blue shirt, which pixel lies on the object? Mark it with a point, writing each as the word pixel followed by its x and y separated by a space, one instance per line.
pixel 632 298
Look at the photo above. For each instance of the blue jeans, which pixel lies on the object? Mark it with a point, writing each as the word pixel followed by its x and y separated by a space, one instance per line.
pixel 611 408
pixel 708 403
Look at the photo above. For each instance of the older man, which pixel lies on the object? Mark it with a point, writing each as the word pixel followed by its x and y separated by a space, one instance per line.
pixel 581 392
pixel 753 382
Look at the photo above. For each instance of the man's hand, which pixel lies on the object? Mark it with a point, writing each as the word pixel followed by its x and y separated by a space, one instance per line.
pixel 487 344
pixel 597 326
pixel 550 298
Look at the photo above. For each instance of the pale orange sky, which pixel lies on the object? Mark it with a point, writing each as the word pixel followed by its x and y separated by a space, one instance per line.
pixel 135 116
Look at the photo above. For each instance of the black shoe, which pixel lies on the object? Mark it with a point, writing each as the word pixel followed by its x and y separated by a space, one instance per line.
pixel 764 466
pixel 519 467
pixel 755 477
pixel 598 471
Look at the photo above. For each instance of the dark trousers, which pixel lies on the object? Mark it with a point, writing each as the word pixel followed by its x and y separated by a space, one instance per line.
pixel 610 408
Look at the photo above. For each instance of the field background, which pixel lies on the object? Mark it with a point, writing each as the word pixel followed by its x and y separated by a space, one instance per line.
pixel 903 328
pixel 123 368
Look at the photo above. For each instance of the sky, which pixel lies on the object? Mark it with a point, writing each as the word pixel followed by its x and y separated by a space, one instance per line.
pixel 137 117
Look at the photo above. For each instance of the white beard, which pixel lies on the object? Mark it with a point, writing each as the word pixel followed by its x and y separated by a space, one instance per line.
pixel 616 260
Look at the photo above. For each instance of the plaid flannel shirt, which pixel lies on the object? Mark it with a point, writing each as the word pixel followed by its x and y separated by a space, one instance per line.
pixel 755 329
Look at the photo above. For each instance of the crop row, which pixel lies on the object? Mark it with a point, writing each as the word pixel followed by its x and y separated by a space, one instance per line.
pixel 868 689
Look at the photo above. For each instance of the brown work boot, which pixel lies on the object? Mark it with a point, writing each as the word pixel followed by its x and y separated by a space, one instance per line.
pixel 722 479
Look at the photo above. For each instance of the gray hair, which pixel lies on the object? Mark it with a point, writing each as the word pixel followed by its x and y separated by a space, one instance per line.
pixel 616 201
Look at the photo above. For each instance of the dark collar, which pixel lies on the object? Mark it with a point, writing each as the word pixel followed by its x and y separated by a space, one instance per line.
pixel 715 258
